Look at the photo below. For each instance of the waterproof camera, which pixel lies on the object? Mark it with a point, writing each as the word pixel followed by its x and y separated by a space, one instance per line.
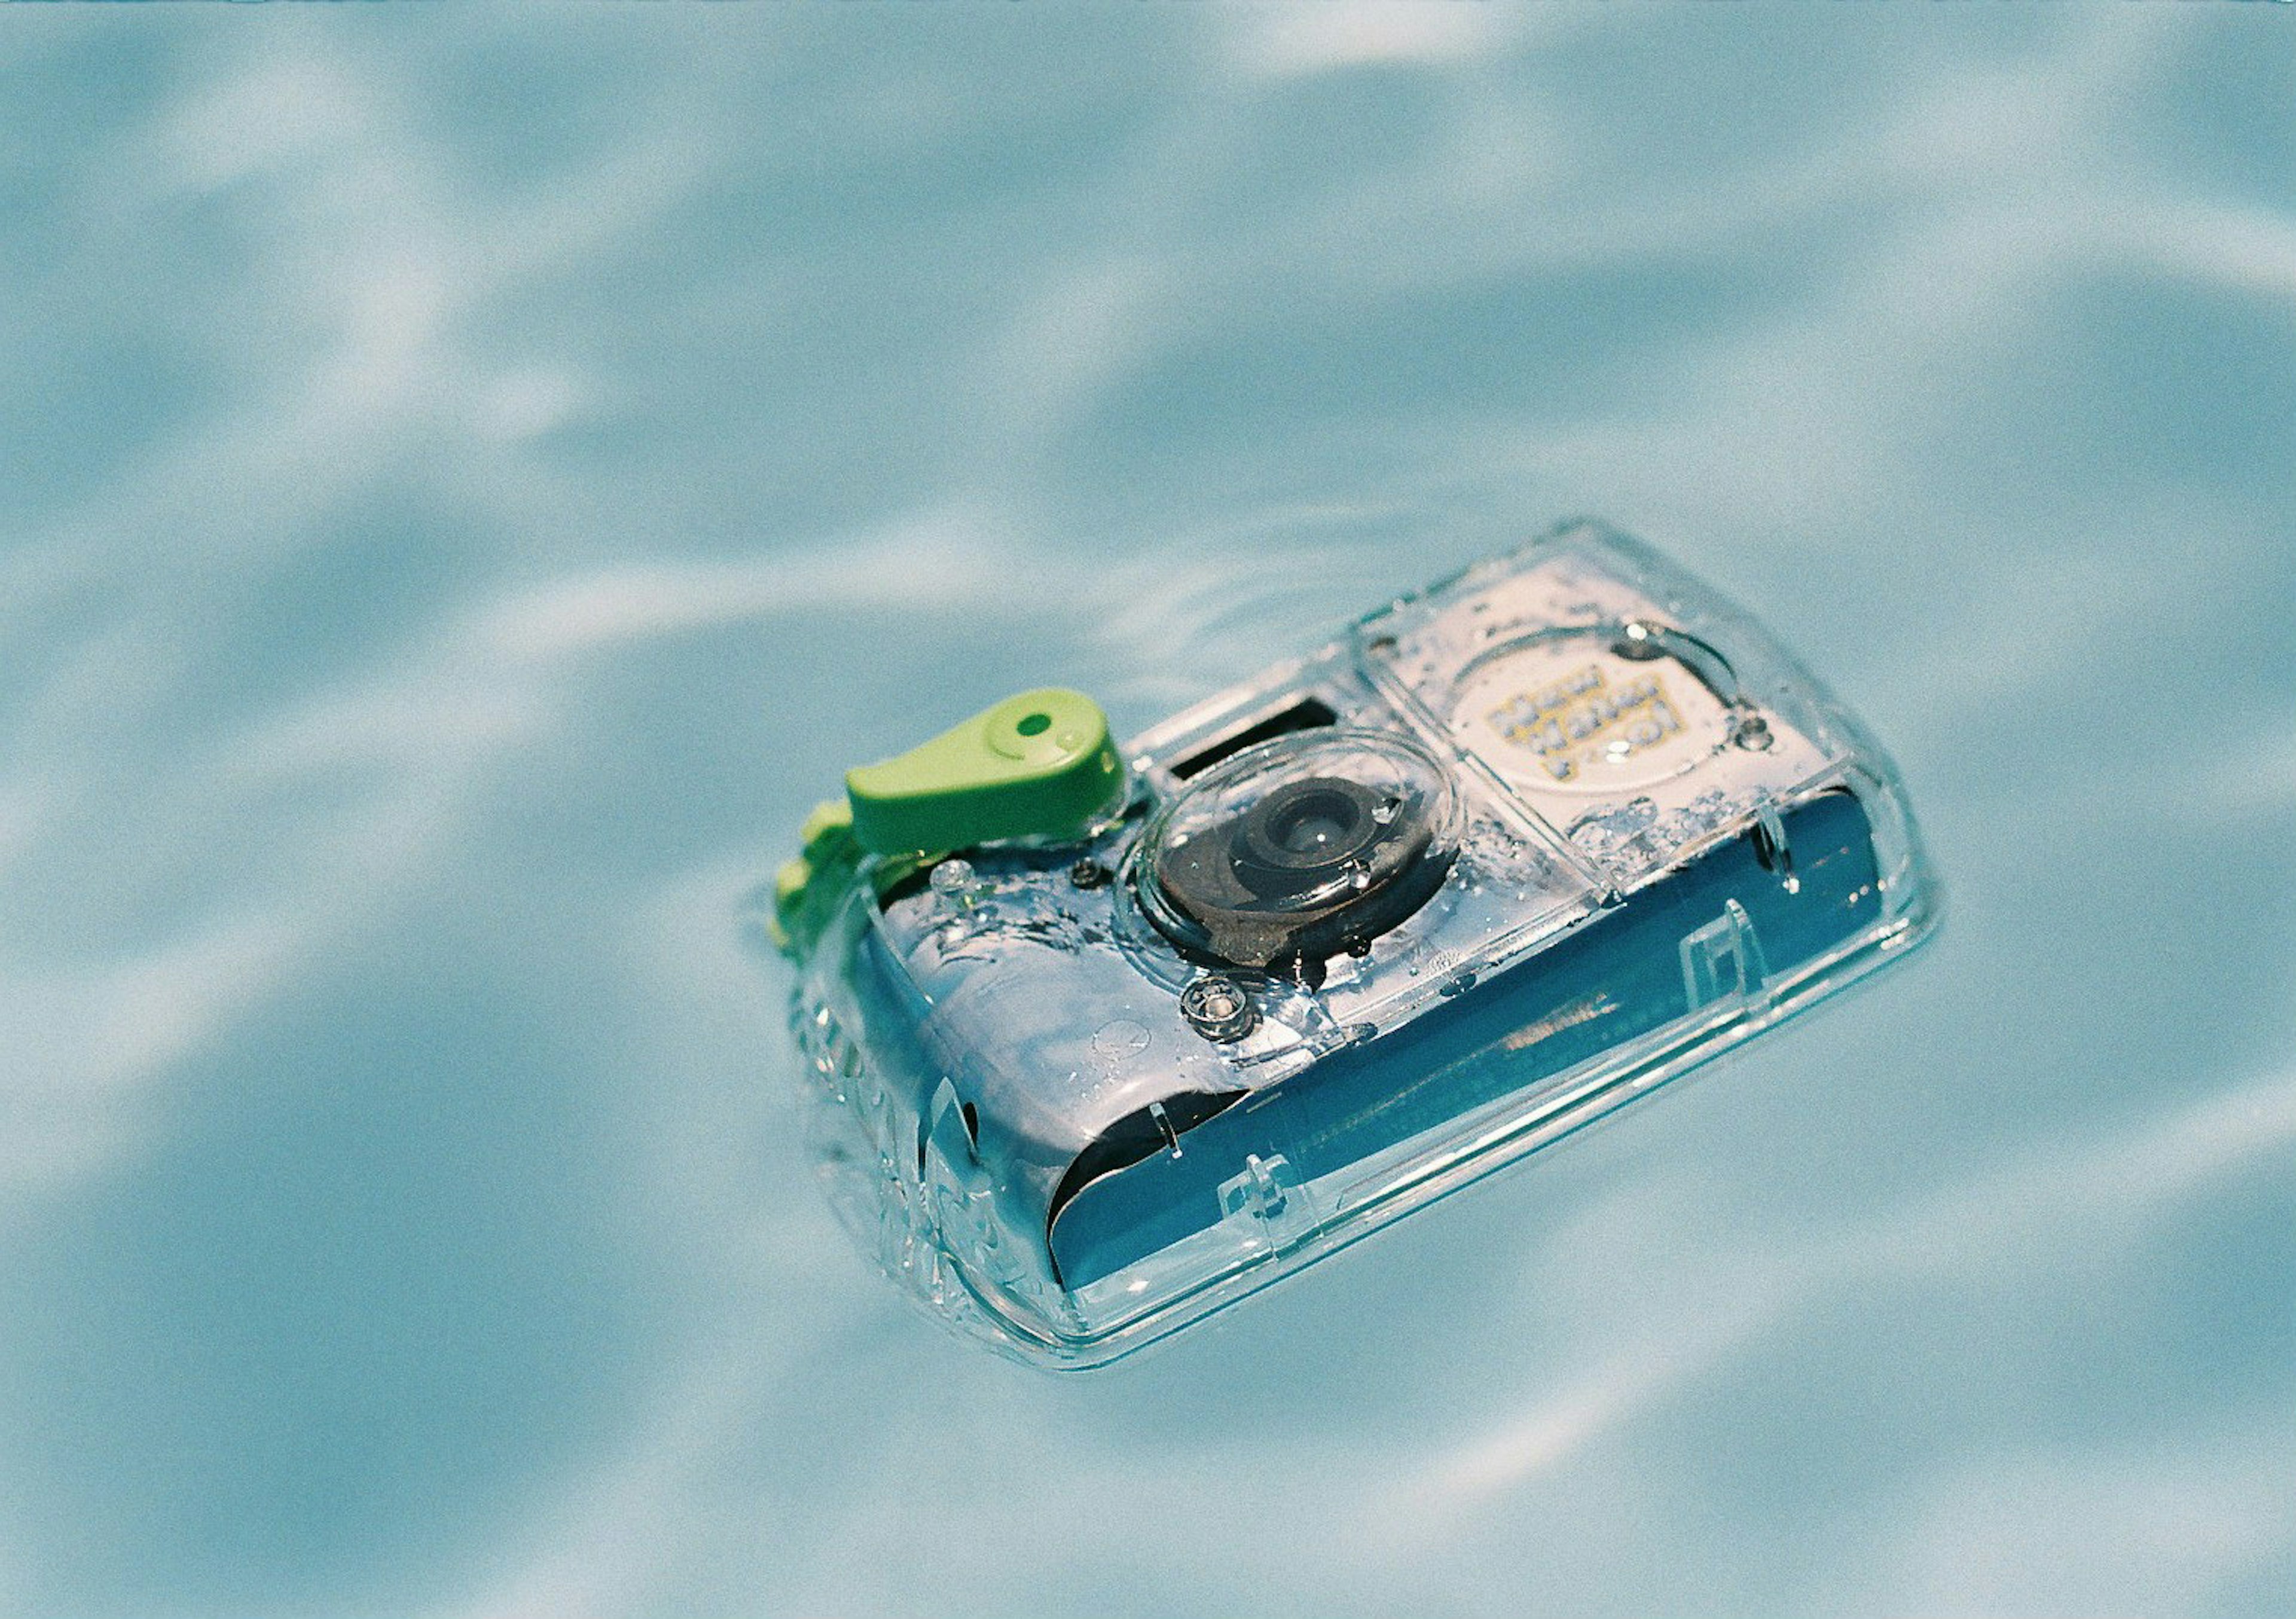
pixel 1096 1042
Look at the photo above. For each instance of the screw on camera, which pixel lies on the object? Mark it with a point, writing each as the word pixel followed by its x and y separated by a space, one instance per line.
pixel 1218 1008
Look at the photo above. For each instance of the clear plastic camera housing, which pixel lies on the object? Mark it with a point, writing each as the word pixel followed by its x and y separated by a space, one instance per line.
pixel 1508 854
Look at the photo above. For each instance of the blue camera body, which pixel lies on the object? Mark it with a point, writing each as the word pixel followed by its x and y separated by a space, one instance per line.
pixel 1150 1030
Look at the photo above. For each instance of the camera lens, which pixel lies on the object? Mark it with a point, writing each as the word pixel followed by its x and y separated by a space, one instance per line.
pixel 1315 822
pixel 1299 832
pixel 1301 848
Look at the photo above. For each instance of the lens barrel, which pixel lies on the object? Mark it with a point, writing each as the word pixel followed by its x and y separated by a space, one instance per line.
pixel 1279 860
pixel 1304 831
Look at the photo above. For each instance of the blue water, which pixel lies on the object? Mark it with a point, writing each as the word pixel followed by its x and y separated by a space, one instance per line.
pixel 469 480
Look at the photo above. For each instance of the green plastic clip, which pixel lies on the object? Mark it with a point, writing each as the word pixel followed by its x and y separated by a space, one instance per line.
pixel 806 889
pixel 1040 765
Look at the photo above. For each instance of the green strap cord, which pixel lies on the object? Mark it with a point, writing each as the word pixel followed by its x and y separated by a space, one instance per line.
pixel 806 889
pixel 1040 765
